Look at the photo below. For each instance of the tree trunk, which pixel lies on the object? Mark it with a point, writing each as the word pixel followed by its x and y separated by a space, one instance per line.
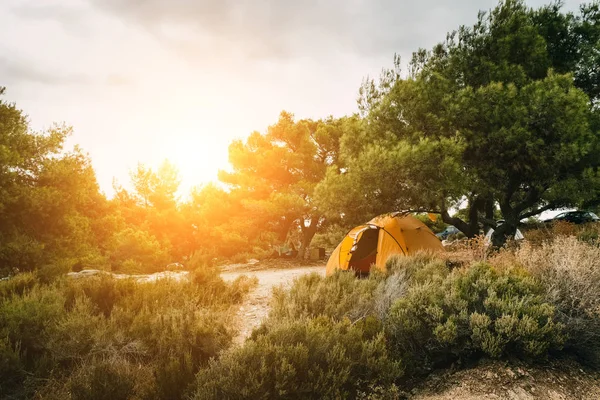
pixel 308 232
pixel 284 229
pixel 476 204
pixel 461 225
pixel 489 213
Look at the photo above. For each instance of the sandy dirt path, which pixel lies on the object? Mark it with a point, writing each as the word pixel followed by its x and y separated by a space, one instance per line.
pixel 256 306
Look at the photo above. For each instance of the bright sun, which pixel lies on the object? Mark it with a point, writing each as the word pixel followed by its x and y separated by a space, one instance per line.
pixel 198 156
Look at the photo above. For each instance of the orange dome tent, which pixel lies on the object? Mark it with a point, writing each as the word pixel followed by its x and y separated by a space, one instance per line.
pixel 379 239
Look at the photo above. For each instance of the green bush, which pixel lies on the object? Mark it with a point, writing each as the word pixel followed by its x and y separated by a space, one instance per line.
pixel 137 251
pixel 339 296
pixel 304 359
pixel 98 336
pixel 74 334
pixel 318 318
pixel 419 315
pixel 18 284
pixel 25 323
pixel 436 226
pixel 329 237
pixel 112 378
pixel 20 252
pixel 103 291
pixel 333 337
pixel 469 313
pixel 588 235
pixel 12 370
pixel 342 295
pixel 50 272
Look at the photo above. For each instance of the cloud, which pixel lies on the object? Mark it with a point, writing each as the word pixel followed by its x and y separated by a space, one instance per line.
pixel 213 31
pixel 72 18
pixel 21 70
pixel 13 69
pixel 118 80
pixel 276 29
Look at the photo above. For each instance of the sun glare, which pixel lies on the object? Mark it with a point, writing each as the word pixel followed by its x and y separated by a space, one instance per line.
pixel 198 155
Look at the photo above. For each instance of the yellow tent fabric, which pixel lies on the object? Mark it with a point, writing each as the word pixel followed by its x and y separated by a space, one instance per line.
pixel 375 242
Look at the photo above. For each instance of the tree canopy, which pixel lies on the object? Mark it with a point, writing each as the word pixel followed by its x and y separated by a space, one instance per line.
pixel 278 171
pixel 502 117
pixel 50 204
pixel 501 114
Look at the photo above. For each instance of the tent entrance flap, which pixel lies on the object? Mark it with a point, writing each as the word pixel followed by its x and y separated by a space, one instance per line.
pixel 364 252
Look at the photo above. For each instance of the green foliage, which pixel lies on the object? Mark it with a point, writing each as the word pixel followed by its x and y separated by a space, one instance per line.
pixel 53 216
pixel 483 116
pixel 314 358
pixel 100 336
pixel 471 311
pixel 436 226
pixel 276 174
pixel 417 316
pixel 48 196
pixel 136 251
pixel 110 379
pixel 329 237
pixel 17 285
pixel 152 219
pixel 313 296
pixel 11 365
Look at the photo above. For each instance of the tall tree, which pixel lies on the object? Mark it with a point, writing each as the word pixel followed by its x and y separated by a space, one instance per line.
pixel 50 204
pixel 279 170
pixel 485 117
pixel 152 207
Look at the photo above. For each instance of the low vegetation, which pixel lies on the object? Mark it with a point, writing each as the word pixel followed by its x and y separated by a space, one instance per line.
pixel 104 338
pixel 346 337
pixel 335 337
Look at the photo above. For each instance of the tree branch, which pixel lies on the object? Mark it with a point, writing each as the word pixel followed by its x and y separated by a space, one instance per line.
pixel 457 222
pixel 537 211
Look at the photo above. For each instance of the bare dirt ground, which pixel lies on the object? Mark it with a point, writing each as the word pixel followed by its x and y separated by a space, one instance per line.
pixel 560 380
pixel 269 274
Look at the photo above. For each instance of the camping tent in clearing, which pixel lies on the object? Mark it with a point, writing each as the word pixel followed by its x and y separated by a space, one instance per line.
pixel 382 237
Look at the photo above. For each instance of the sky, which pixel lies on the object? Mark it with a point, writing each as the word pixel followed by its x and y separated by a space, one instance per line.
pixel 141 81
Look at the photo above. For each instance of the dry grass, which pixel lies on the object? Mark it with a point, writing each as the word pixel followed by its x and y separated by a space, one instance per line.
pixel 570 270
pixel 465 251
pixel 586 232
pixel 568 267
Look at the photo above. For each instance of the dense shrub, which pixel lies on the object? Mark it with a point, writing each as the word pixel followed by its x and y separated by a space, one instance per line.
pixel 333 337
pixel 308 358
pixel 419 314
pixel 111 379
pixel 546 233
pixel 18 284
pixel 339 296
pixel 90 337
pixel 329 237
pixel 342 295
pixel 471 312
pixel 136 251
